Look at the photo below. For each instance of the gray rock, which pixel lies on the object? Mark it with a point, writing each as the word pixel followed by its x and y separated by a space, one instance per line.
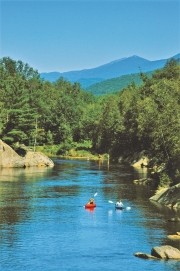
pixel 174 237
pixel 158 253
pixel 169 196
pixel 10 159
pixel 37 159
pixel 165 252
pixel 144 256
pixel 141 162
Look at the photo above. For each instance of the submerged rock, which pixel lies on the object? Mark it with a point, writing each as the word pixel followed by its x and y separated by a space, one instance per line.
pixel 163 252
pixel 174 219
pixel 146 181
pixel 144 255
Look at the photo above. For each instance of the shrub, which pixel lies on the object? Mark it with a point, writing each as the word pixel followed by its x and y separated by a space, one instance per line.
pixel 164 180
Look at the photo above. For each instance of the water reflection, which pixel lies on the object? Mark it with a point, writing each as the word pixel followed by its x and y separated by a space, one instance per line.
pixel 27 174
pixel 90 209
pixel 142 172
pixel 102 163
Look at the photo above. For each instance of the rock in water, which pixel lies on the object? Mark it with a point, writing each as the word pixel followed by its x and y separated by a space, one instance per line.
pixel 165 252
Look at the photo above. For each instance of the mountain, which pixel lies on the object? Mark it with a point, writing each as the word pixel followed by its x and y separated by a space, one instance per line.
pixel 116 84
pixel 113 69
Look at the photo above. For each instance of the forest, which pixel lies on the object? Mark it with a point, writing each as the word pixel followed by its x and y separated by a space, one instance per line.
pixel 63 119
pixel 115 84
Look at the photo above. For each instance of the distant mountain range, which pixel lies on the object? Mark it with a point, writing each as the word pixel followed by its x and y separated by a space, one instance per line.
pixel 117 68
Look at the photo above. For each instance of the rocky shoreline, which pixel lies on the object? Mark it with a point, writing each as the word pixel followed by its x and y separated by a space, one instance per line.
pixel 10 159
pixel 168 197
pixel 159 253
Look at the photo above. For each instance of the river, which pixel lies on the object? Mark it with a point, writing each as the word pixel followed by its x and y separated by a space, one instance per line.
pixel 44 225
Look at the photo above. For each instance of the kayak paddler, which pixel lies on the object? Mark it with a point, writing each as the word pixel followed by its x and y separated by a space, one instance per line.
pixel 119 203
pixel 91 201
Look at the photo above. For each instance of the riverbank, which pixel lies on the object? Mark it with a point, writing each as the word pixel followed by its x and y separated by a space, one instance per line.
pixel 72 153
pixel 169 197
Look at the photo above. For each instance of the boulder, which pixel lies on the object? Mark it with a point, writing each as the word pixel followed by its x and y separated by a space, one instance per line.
pixel 138 159
pixel 10 159
pixel 142 162
pixel 37 159
pixel 174 237
pixel 168 196
pixel 165 252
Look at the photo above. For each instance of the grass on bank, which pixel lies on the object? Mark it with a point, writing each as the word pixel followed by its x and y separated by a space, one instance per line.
pixel 75 150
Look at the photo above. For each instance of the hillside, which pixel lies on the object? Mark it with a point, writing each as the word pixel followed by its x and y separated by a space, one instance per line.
pixel 115 84
pixel 123 66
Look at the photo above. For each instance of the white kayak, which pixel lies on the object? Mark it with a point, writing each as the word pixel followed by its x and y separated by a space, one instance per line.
pixel 119 207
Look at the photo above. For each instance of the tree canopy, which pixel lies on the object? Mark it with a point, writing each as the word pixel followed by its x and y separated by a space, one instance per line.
pixel 139 117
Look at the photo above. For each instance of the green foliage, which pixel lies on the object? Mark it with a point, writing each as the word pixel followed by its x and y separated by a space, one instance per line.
pixel 165 180
pixel 116 84
pixel 49 138
pixel 13 68
pixel 17 135
pixel 9 140
pixel 83 145
pixel 64 119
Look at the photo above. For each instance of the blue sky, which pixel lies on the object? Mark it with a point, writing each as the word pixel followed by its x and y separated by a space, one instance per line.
pixel 73 35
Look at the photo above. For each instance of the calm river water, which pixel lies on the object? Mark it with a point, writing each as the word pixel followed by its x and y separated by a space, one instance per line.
pixel 44 225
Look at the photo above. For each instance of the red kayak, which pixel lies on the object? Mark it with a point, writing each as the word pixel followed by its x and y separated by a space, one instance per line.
pixel 88 205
